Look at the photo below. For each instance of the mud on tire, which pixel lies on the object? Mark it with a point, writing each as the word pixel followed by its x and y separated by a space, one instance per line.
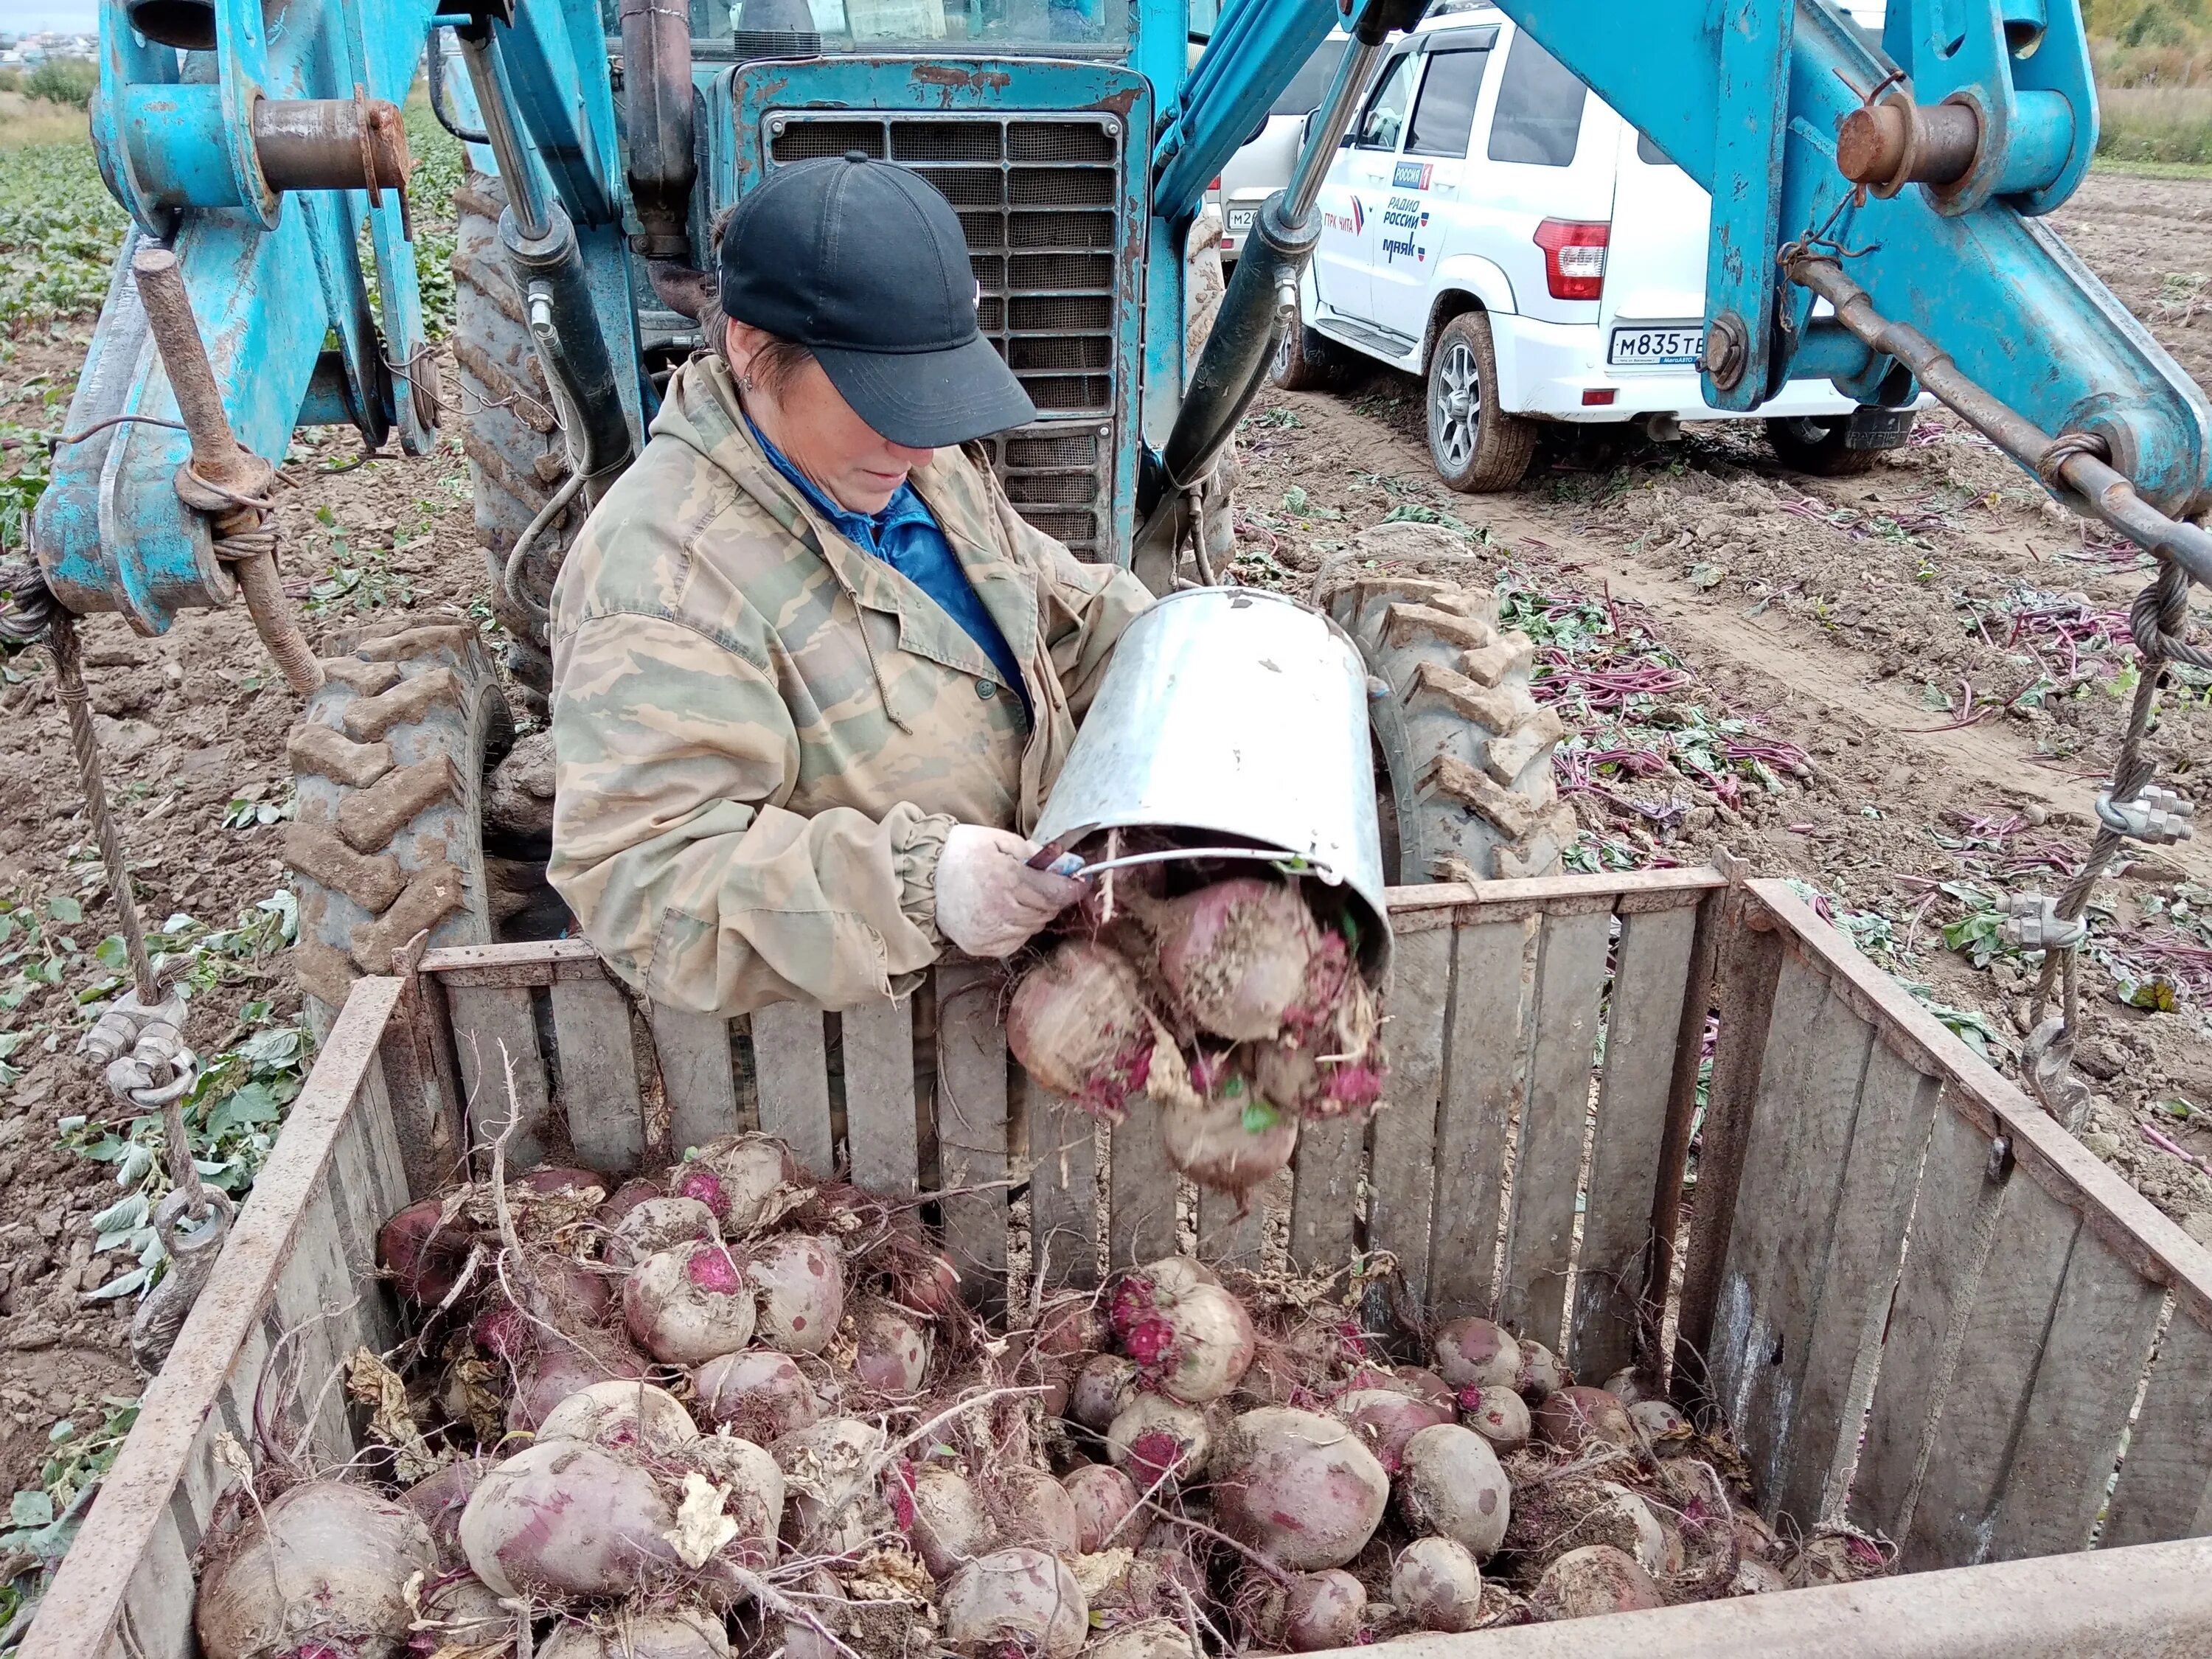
pixel 517 457
pixel 1469 747
pixel 389 762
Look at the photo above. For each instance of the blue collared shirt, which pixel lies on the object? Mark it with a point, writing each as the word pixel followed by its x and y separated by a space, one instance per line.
pixel 906 537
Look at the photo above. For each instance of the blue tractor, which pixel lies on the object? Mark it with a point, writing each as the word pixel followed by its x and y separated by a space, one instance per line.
pixel 1874 224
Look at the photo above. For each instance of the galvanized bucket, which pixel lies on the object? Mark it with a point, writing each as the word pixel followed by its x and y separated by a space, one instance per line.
pixel 1240 715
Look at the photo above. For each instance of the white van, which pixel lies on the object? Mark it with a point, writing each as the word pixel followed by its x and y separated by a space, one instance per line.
pixel 1492 225
pixel 1262 166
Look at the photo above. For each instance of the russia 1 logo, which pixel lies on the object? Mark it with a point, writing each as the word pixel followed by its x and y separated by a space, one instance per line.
pixel 1411 175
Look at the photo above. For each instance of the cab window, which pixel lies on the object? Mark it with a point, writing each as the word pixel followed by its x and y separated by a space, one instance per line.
pixel 1539 108
pixel 1445 112
pixel 1384 118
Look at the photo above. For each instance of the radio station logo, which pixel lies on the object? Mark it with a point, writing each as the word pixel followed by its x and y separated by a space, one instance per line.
pixel 1404 222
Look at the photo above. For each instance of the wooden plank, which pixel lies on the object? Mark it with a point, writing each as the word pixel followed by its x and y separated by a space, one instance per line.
pixel 1670 1193
pixel 880 1129
pixel 1403 1185
pixel 1544 892
pixel 1750 959
pixel 1227 1238
pixel 696 1074
pixel 598 1075
pixel 2165 1488
pixel 1954 1211
pixel 1141 1186
pixel 1063 1187
pixel 423 1095
pixel 791 1067
pixel 1548 1158
pixel 1644 1022
pixel 494 1031
pixel 530 962
pixel 2062 1459
pixel 1325 1193
pixel 1485 1079
pixel 1896 1104
pixel 111 1566
pixel 972 1129
pixel 1970 1449
pixel 1817 1051
pixel 2123 1217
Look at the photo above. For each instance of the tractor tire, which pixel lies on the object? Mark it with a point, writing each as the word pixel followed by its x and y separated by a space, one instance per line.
pixel 1465 747
pixel 516 454
pixel 1814 445
pixel 389 764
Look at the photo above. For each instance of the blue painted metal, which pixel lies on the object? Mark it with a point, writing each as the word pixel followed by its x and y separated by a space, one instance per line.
pixel 1745 234
pixel 1255 49
pixel 2016 311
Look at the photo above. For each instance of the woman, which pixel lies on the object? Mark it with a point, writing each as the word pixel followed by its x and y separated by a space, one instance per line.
pixel 812 675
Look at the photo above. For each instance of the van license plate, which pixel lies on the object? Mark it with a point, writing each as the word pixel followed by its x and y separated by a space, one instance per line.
pixel 1241 218
pixel 1680 344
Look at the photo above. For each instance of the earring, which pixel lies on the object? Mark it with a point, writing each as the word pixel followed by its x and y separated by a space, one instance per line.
pixel 745 384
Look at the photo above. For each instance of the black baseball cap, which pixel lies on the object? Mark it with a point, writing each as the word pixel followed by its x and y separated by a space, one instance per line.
pixel 863 263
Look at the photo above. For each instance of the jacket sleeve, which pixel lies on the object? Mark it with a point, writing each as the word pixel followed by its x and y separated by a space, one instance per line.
pixel 672 759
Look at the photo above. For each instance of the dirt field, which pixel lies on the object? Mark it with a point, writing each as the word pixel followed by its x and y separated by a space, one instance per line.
pixel 1899 688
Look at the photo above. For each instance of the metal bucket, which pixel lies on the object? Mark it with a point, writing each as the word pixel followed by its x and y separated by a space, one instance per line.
pixel 1239 714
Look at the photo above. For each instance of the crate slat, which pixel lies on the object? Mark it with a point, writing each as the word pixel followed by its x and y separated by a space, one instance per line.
pixel 880 1130
pixel 494 1028
pixel 1325 1192
pixel 791 1067
pixel 1817 1051
pixel 1141 1186
pixel 2100 1334
pixel 1896 1104
pixel 1486 1078
pixel 1548 1163
pixel 1954 1218
pixel 598 1075
pixel 971 1132
pixel 696 1074
pixel 1651 975
pixel 1403 1186
pixel 1970 1450
pixel 2165 1488
pixel 1063 1187
pixel 1225 1237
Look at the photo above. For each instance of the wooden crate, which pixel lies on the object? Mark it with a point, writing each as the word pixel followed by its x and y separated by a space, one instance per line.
pixel 1919 1304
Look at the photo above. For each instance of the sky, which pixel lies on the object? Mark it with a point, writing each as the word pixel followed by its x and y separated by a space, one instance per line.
pixel 30 16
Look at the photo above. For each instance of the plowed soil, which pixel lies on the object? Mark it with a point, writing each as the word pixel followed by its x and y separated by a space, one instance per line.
pixel 1868 623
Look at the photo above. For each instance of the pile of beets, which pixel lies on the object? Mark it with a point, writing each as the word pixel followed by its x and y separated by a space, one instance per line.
pixel 738 1408
pixel 1233 1007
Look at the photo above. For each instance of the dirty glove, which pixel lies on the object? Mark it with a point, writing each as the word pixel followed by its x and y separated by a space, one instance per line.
pixel 989 902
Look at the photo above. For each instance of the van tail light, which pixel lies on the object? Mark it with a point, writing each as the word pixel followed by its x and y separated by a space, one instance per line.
pixel 1215 184
pixel 1574 257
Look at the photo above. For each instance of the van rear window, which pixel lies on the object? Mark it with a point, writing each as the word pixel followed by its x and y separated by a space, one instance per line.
pixel 1539 108
pixel 1445 114
pixel 1649 153
pixel 1302 96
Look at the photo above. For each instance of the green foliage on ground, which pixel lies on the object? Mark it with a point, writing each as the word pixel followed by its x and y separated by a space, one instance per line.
pixel 60 230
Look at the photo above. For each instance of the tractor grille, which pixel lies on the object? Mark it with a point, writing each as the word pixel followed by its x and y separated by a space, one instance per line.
pixel 1037 198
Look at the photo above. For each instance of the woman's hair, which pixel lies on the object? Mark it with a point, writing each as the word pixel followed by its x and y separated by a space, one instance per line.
pixel 778 361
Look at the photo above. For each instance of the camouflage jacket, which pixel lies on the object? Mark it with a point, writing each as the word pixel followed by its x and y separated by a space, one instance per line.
pixel 762 732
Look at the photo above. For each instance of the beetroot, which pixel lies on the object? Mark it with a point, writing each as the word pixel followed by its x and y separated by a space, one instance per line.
pixel 1148 1638
pixel 1422 1384
pixel 825 1466
pixel 760 1395
pixel 1232 1140
pixel 631 1418
pixel 1595 1579
pixel 323 1569
pixel 1079 1024
pixel 676 1633
pixel 1235 956
pixel 439 1498
pixel 689 1304
pixel 950 1527
pixel 892 1353
pixel 546 1378
pixel 1436 1584
pixel 653 1224
pixel 1035 1511
pixel 1475 1353
pixel 555 1180
pixel 1541 1374
pixel 1158 1441
pixel 752 1493
pixel 1021 1600
pixel 1451 1486
pixel 1191 1338
pixel 424 1257
pixel 563 1518
pixel 625 1199
pixel 1573 1417
pixel 1102 1390
pixel 1498 1415
pixel 1660 1420
pixel 1297 1486
pixel 747 1180
pixel 801 1285
pixel 1314 1611
pixel 1385 1421
pixel 1103 1498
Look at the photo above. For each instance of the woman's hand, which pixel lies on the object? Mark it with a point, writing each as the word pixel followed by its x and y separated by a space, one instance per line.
pixel 989 902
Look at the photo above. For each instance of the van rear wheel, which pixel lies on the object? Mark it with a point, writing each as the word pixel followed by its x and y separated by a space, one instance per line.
pixel 1816 445
pixel 1303 359
pixel 1475 445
